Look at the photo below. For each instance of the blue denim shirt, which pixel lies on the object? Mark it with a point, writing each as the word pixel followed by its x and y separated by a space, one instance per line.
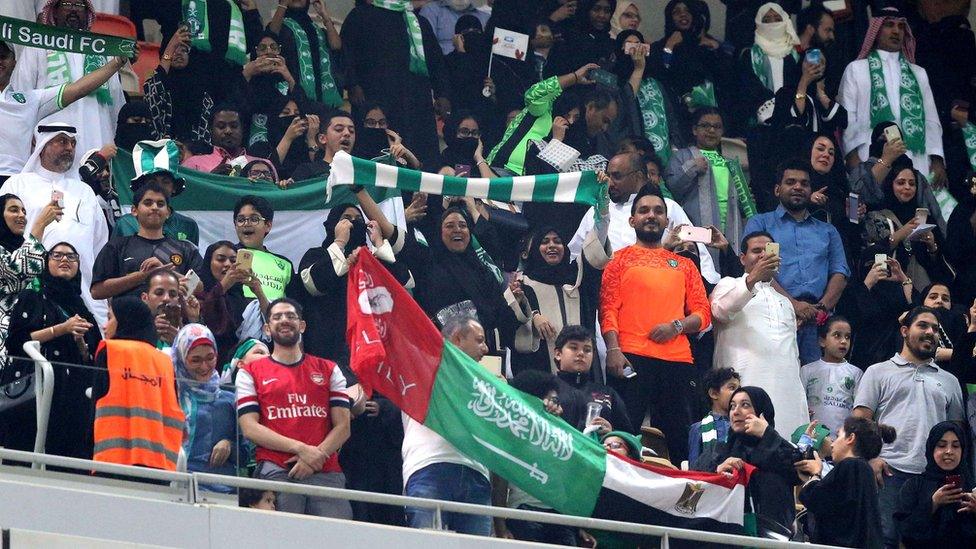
pixel 810 250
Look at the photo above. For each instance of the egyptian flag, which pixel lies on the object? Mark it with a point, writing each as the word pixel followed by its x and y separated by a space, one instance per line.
pixel 397 351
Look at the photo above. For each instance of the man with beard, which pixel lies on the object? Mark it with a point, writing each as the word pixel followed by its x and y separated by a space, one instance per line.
pixel 294 407
pixel 650 299
pixel 885 85
pixel 912 394
pixel 814 269
pixel 23 107
pixel 227 138
pixel 38 68
pixel 763 352
pixel 627 174
pixel 127 262
pixel 48 175
pixel 815 27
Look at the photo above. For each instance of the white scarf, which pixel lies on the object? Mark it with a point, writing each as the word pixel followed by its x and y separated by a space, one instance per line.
pixel 776 39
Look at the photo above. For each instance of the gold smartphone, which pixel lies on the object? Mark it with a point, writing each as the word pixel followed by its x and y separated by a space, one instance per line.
pixel 245 258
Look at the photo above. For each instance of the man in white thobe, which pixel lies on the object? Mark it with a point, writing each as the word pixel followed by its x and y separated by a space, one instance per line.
pixel 82 225
pixel 755 333
pixel 620 234
pixel 96 114
pixel 891 38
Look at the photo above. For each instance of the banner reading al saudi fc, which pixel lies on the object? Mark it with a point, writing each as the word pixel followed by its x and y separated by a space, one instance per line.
pixel 36 35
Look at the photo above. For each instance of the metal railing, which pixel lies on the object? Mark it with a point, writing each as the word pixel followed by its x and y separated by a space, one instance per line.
pixel 188 486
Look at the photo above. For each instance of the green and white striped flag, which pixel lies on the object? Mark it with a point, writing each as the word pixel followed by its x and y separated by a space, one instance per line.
pixel 578 187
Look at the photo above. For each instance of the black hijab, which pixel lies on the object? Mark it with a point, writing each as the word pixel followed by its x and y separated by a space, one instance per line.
pixel 701 19
pixel 133 319
pixel 536 267
pixel 127 134
pixel 460 150
pixel 904 211
pixel 623 65
pixel 357 236
pixel 206 275
pixel 583 18
pixel 8 239
pixel 187 88
pixel 66 294
pixel 932 469
pixel 763 405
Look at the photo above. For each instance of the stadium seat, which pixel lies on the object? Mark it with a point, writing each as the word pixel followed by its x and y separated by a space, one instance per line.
pixel 114 25
pixel 147 63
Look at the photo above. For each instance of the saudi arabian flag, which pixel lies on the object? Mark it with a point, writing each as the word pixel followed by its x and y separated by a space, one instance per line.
pixel 209 199
pixel 396 350
pixel 578 187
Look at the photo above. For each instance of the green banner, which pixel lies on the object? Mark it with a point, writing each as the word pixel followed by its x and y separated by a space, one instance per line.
pixel 36 35
pixel 511 434
pixel 206 191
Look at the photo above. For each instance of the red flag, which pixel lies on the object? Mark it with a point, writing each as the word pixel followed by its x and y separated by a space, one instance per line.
pixel 386 327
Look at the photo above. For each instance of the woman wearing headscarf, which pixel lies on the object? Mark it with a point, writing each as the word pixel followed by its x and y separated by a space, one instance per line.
pixel 53 313
pixel 177 94
pixel 773 59
pixel 324 272
pixel 221 294
pixel 753 440
pixel 135 124
pixel 645 107
pixel 693 66
pixel 938 508
pixel 211 437
pixel 961 244
pixel 952 327
pixel 920 255
pixel 586 41
pixel 627 16
pixel 560 292
pixel 868 176
pixel 831 188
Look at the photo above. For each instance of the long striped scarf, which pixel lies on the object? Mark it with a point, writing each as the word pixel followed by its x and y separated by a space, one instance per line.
pixel 912 121
pixel 654 118
pixel 418 61
pixel 761 67
pixel 198 24
pixel 327 92
pixel 578 187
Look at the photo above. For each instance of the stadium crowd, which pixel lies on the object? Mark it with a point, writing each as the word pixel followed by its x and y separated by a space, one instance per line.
pixel 784 274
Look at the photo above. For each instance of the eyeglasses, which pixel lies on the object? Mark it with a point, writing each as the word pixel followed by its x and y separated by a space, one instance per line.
pixel 375 123
pixel 617 176
pixel 267 47
pixel 61 256
pixel 284 316
pixel 707 126
pixel 465 132
pixel 552 400
pixel 252 220
pixel 613 445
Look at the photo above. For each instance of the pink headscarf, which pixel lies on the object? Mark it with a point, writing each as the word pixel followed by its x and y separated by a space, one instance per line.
pixel 907 45
pixel 47 14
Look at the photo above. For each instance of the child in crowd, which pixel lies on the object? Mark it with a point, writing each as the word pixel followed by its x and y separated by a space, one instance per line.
pixel 831 382
pixel 720 384
pixel 257 499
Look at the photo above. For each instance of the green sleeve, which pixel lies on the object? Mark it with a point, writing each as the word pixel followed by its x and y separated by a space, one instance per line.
pixel 540 97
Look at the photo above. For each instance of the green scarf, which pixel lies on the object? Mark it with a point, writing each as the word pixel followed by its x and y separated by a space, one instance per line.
pixel 912 112
pixel 650 99
pixel 59 72
pixel 761 67
pixel 969 134
pixel 195 15
pixel 747 204
pixel 418 62
pixel 328 93
pixel 708 433
pixel 702 95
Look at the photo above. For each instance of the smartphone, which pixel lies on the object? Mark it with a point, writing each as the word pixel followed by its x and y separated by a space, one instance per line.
pixel 462 170
pixel 695 234
pixel 492 363
pixel 772 248
pixel 173 313
pixel 953 480
pixel 245 258
pixel 813 56
pixel 631 47
pixel 629 372
pixel 892 133
pixel 602 77
pixel 192 281
pixel 58 198
pixel 922 214
pixel 882 259
pixel 852 204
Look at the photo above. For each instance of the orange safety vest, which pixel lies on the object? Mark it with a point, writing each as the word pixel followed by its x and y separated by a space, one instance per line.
pixel 139 421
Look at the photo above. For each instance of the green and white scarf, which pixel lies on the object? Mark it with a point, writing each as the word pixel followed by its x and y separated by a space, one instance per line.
pixel 59 72
pixel 418 61
pixel 747 204
pixel 910 97
pixel 654 119
pixel 969 135
pixel 195 15
pixel 761 66
pixel 327 92
pixel 708 433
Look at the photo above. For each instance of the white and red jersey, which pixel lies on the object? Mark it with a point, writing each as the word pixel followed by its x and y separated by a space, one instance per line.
pixel 293 400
